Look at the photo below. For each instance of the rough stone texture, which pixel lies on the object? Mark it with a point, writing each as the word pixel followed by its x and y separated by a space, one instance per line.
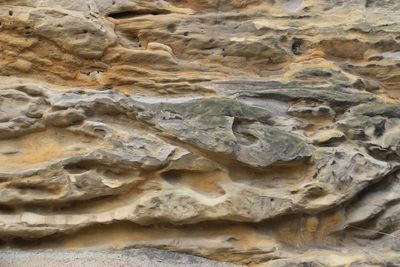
pixel 127 258
pixel 259 133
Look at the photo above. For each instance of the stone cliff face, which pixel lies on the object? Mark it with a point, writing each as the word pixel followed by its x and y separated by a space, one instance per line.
pixel 259 132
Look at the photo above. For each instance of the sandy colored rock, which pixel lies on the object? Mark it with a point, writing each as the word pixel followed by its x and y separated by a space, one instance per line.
pixel 257 133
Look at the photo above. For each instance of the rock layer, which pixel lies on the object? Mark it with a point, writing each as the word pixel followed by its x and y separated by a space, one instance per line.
pixel 262 133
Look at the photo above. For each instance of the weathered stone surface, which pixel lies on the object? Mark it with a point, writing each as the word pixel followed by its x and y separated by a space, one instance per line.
pixel 260 133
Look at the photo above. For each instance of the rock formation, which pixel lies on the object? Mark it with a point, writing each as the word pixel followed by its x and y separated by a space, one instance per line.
pixel 259 132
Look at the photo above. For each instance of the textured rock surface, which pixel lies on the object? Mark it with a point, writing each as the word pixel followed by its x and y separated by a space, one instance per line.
pixel 260 133
pixel 126 258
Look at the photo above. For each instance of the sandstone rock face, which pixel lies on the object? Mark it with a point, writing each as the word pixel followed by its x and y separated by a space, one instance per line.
pixel 261 133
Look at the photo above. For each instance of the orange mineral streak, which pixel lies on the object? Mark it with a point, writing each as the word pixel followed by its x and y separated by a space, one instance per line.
pixel 38 149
